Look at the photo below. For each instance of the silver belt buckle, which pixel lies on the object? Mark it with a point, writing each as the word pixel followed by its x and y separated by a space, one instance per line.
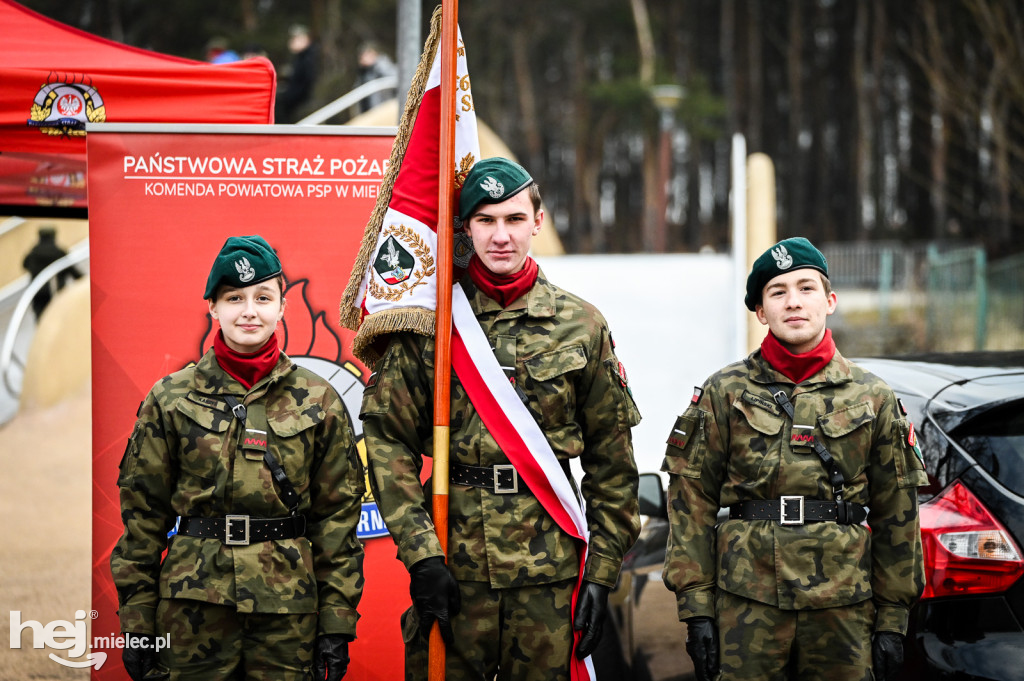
pixel 228 539
pixel 784 518
pixel 498 489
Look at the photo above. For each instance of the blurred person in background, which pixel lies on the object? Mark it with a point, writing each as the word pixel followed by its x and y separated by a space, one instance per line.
pixel 218 51
pixel 299 75
pixel 373 65
pixel 44 253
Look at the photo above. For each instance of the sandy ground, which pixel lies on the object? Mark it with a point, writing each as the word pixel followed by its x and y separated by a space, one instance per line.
pixel 45 504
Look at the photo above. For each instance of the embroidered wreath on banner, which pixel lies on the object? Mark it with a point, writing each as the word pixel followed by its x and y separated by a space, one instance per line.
pixel 465 165
pixel 422 252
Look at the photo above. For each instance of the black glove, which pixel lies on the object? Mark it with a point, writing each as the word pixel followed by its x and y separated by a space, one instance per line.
pixel 139 654
pixel 589 618
pixel 330 657
pixel 702 645
pixel 886 654
pixel 435 593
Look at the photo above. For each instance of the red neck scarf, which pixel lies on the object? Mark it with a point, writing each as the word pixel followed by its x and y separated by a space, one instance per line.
pixel 798 368
pixel 246 368
pixel 504 289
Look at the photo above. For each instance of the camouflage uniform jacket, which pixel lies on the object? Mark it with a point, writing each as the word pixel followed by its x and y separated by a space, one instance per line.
pixel 184 458
pixel 734 443
pixel 564 364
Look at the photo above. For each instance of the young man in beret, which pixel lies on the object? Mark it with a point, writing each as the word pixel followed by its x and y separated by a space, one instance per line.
pixel 503 593
pixel 257 458
pixel 801 446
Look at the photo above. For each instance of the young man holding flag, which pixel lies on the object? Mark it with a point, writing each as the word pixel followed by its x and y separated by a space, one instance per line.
pixel 520 577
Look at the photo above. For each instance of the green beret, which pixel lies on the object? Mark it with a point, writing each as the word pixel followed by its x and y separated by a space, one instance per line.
pixel 242 261
pixel 492 180
pixel 796 253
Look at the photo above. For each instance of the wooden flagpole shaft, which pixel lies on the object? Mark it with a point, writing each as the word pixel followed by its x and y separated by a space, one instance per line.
pixel 443 328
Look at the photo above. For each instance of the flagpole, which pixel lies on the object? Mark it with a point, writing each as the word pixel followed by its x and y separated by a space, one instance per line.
pixel 443 328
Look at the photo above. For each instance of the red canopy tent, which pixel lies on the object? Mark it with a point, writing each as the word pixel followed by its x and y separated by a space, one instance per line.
pixel 55 78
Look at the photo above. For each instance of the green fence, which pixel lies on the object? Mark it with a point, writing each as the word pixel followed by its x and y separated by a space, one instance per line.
pixel 1005 319
pixel 973 304
pixel 903 298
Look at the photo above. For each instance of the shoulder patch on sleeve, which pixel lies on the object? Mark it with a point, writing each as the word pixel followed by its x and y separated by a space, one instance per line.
pixel 686 445
pixel 623 379
pixel 912 441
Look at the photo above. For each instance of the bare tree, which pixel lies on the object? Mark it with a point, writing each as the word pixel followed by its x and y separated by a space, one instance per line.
pixel 797 180
pixel 653 241
pixel 864 85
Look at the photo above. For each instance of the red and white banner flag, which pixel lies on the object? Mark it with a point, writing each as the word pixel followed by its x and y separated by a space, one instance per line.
pixel 394 282
pixel 393 288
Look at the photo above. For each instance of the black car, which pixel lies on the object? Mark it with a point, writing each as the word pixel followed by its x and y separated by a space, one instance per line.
pixel 968 409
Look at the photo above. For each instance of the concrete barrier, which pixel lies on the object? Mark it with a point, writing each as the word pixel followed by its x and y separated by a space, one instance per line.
pixel 59 360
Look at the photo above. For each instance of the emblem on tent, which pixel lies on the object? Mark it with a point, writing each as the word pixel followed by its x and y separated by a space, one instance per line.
pixel 63 107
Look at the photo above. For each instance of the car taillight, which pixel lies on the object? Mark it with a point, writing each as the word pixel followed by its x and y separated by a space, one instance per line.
pixel 966 550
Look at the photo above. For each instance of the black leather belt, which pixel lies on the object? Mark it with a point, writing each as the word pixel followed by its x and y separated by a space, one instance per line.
pixel 242 530
pixel 795 510
pixel 501 479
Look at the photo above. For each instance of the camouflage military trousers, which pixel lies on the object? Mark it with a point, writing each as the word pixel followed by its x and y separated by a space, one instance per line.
pixel 759 641
pixel 522 634
pixel 210 642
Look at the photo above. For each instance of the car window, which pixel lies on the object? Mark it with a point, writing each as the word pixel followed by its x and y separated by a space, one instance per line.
pixel 995 439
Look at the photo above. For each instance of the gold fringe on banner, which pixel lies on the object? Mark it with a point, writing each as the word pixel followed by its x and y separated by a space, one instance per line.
pixel 417 319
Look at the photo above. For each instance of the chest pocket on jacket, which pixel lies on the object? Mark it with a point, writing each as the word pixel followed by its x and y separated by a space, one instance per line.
pixel 203 436
pixel 294 442
pixel 755 440
pixel 551 383
pixel 851 429
pixel 761 414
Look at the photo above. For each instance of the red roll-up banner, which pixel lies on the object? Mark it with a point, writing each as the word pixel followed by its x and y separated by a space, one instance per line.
pixel 162 200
